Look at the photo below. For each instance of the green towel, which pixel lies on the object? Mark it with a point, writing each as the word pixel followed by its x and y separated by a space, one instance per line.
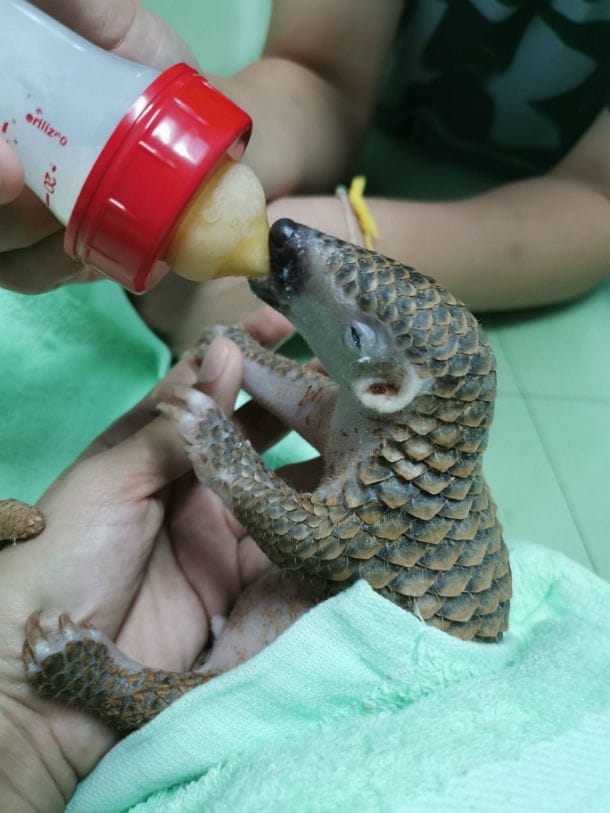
pixel 71 362
pixel 361 707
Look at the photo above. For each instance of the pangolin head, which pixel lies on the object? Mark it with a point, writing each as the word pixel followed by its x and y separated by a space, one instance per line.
pixel 381 329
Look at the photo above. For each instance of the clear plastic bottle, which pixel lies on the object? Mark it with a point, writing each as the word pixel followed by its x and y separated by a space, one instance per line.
pixel 125 156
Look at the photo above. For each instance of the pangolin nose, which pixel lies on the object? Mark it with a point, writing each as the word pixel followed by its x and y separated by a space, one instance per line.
pixel 287 241
pixel 281 232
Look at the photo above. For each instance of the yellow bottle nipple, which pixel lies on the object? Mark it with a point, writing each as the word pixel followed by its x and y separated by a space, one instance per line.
pixel 225 230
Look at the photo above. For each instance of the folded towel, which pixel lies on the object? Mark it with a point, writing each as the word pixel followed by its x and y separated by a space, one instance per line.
pixel 361 707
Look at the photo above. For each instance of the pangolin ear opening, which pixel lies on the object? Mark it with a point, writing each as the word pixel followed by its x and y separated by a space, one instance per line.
pixel 386 394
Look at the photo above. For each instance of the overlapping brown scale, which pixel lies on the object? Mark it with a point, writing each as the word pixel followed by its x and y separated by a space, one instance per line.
pixel 418 448
pixel 475 551
pixel 404 552
pixel 392 526
pixel 329 549
pixel 492 626
pixel 442 556
pixel 364 546
pixel 413 582
pixel 370 471
pixel 425 506
pixel 377 572
pixel 374 510
pixel 464 468
pixel 460 608
pixel 442 460
pixel 433 482
pixel 456 509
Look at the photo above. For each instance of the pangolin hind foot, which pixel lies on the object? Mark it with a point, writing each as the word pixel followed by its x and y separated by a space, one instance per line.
pixel 80 665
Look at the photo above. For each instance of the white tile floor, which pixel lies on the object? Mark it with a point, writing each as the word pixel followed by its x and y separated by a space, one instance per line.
pixel 549 455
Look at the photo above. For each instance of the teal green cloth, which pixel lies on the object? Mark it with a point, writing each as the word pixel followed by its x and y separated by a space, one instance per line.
pixel 361 707
pixel 71 362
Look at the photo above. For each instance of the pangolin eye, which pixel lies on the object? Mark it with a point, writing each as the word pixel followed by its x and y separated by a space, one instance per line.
pixel 359 337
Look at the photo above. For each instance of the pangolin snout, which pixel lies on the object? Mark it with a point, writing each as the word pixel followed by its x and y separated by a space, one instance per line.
pixel 287 249
pixel 281 232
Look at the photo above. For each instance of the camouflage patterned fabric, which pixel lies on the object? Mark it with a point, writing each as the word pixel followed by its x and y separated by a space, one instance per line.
pixel 513 83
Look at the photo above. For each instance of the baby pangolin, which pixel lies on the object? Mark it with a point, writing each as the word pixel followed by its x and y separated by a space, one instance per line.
pixel 401 421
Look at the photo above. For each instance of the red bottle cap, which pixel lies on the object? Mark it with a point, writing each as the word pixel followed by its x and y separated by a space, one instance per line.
pixel 151 168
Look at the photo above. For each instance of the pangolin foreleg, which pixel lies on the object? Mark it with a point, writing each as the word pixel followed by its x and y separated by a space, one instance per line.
pixel 292 528
pixel 302 398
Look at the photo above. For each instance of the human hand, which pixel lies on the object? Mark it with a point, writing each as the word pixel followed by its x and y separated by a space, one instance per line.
pixel 134 545
pixel 32 257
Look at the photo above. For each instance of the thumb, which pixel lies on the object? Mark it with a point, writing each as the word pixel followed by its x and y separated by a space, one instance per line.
pixel 11 174
pixel 220 374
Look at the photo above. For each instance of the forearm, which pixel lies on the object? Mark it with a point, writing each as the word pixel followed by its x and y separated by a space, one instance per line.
pixel 305 133
pixel 531 243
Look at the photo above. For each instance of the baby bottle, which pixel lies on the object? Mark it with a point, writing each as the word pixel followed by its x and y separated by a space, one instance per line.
pixel 141 166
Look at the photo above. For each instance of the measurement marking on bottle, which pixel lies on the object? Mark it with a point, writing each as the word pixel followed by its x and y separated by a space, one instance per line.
pixel 49 183
pixel 6 134
pixel 43 125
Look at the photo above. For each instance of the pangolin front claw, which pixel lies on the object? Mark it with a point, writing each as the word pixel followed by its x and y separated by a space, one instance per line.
pixel 188 409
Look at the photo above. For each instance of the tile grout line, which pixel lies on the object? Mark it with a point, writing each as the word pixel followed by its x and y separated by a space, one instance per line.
pixel 560 483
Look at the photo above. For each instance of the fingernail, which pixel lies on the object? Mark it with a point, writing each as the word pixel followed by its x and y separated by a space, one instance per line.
pixel 214 362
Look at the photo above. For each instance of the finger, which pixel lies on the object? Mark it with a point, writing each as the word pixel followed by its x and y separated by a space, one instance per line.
pixel 207 551
pixel 142 414
pixel 268 326
pixel 252 561
pixel 41 268
pixel 123 26
pixel 220 374
pixel 11 174
pixel 105 24
pixel 154 455
pixel 132 471
pixel 139 466
pixel 25 221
